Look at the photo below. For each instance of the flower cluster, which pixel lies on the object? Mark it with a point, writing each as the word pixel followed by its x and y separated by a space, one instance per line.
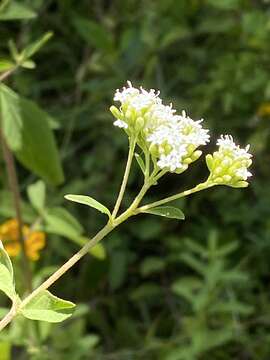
pixel 172 139
pixel 34 240
pixel 229 165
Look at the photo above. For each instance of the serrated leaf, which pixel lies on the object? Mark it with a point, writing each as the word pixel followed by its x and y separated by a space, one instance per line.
pixel 140 162
pixel 16 11
pixel 6 274
pixel 48 307
pixel 36 193
pixel 166 211
pixel 87 200
pixel 27 131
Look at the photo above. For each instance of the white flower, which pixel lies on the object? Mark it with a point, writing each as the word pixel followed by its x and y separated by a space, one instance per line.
pixel 121 124
pixel 171 138
pixel 178 138
pixel 243 173
pixel 136 99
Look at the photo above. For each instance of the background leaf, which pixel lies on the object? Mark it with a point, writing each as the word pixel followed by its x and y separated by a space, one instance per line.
pixel 28 134
pixel 15 10
pixel 36 193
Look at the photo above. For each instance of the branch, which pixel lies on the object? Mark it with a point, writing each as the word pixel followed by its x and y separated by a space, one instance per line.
pixel 14 188
pixel 132 145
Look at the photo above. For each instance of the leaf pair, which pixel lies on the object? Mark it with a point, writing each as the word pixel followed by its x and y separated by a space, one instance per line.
pixel 165 211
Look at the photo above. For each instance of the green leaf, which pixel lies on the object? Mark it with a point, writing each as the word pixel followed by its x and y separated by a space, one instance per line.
pixel 59 221
pixel 166 211
pixel 28 64
pixel 140 162
pixel 152 265
pixel 87 200
pixel 28 133
pixel 93 33
pixel 36 194
pixel 47 307
pixel 31 49
pixel 5 350
pixel 12 122
pixel 6 274
pixel 16 11
pixel 6 65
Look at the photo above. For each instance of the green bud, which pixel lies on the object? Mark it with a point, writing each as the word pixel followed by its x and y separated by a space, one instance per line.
pixel 209 161
pixel 116 113
pixel 219 180
pixel 139 124
pixel 218 170
pixel 154 150
pixel 188 161
pixel 195 156
pixel 190 148
pixel 183 168
pixel 227 178
pixel 240 184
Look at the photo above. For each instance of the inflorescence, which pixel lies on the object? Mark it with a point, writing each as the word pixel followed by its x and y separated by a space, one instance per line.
pixel 173 140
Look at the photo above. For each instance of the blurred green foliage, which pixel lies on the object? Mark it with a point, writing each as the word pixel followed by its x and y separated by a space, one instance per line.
pixel 141 302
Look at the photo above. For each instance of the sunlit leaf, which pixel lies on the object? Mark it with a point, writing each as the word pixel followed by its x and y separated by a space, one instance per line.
pixel 87 200
pixel 6 274
pixel 48 307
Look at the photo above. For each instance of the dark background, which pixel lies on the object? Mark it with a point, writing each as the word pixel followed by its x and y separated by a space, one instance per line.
pixel 211 58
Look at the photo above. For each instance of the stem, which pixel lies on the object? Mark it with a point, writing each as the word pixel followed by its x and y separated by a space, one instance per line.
pixel 54 277
pixel 147 164
pixel 6 74
pixel 197 188
pixel 14 188
pixel 132 145
pixel 9 316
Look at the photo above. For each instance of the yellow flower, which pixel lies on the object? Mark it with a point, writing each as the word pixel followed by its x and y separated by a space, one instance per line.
pixel 264 109
pixel 34 240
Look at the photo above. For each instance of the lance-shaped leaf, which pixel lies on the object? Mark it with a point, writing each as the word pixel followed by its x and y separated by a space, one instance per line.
pixel 48 307
pixel 34 47
pixel 6 274
pixel 87 200
pixel 166 211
